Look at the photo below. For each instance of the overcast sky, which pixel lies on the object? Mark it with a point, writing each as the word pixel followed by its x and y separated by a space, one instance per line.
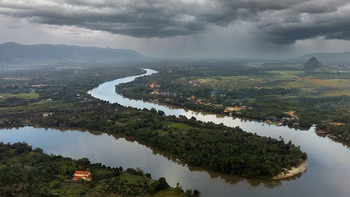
pixel 183 28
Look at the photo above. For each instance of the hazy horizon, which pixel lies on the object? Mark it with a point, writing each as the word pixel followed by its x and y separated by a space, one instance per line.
pixel 185 28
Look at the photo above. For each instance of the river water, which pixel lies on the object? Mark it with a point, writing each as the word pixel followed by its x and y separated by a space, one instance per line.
pixel 328 170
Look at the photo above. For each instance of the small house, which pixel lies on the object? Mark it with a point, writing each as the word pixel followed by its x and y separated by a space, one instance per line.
pixel 84 175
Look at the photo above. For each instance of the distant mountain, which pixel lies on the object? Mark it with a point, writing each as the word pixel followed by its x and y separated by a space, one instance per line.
pixel 312 64
pixel 343 58
pixel 46 54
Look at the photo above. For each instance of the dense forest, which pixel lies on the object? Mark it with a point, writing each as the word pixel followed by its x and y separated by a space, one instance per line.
pixel 24 171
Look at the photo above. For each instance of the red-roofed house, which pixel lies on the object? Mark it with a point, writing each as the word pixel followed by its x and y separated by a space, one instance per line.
pixel 154 85
pixel 84 175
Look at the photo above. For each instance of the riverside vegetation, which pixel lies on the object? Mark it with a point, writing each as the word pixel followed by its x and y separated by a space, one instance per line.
pixel 63 102
pixel 26 171
pixel 280 93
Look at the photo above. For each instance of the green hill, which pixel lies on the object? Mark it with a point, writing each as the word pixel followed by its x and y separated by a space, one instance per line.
pixel 312 64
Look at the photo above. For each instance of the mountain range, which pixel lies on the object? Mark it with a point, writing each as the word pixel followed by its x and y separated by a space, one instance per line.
pixel 14 54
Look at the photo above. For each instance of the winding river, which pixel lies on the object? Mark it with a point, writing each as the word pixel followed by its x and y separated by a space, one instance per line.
pixel 328 170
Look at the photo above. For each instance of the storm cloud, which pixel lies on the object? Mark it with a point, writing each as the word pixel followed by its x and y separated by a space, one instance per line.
pixel 276 21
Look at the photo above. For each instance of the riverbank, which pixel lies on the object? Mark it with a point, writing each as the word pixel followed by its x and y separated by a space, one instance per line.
pixel 279 123
pixel 292 172
pixel 57 177
pixel 282 122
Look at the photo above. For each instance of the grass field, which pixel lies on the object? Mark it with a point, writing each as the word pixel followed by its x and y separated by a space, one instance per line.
pixel 180 126
pixel 18 79
pixel 310 86
pixel 20 95
pixel 27 95
pixel 337 93
pixel 47 105
pixel 287 72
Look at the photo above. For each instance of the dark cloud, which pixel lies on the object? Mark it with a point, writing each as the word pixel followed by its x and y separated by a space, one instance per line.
pixel 282 21
pixel 331 23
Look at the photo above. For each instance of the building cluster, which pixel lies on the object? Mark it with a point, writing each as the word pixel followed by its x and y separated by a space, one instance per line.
pixel 155 86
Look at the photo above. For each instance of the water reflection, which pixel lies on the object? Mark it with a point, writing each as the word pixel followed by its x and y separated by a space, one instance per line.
pixel 337 140
pixel 323 155
pixel 231 179
pixel 328 162
pixel 118 151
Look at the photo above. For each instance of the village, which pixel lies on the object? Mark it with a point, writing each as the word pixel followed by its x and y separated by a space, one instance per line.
pixel 290 118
